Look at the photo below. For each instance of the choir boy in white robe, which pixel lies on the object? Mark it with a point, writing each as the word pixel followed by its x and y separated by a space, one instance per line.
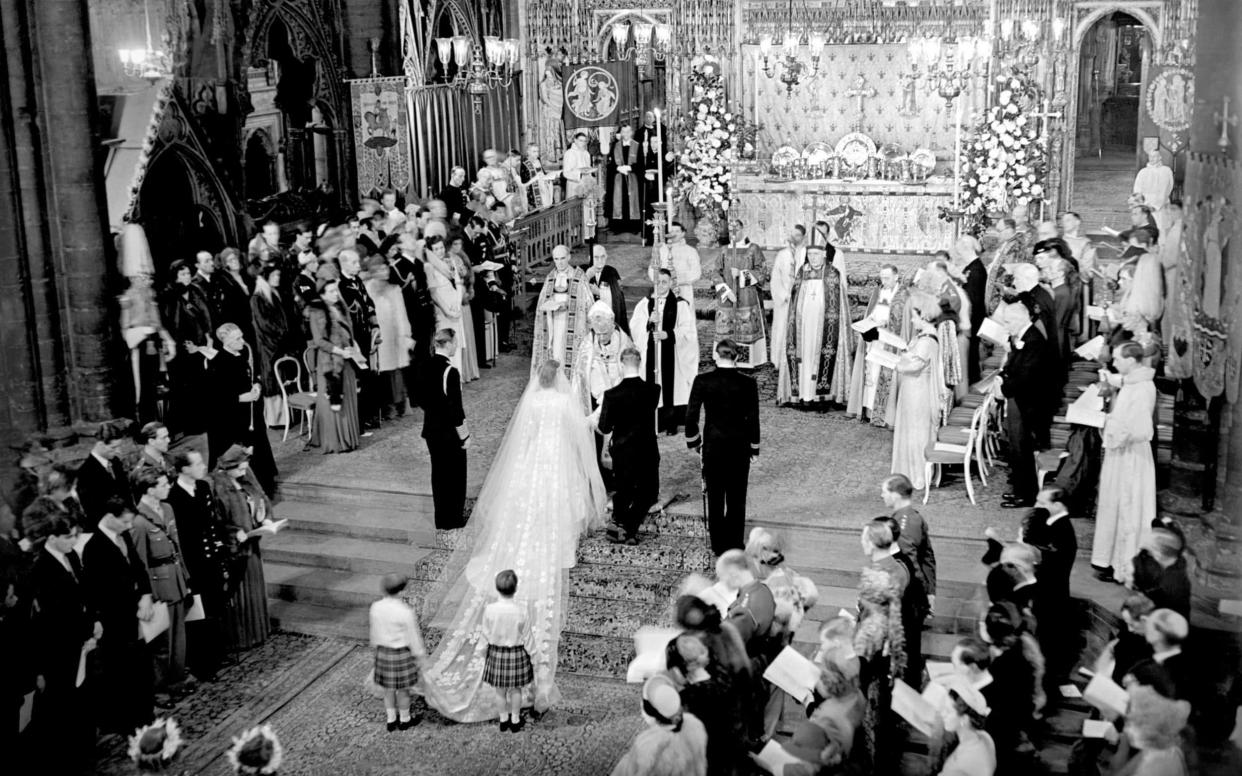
pixel 664 331
pixel 682 260
pixel 784 270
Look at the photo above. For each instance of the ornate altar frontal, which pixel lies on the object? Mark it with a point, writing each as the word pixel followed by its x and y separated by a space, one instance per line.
pixel 867 216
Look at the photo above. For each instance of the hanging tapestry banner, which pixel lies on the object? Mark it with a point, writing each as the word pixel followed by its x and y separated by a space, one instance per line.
pixel 597 94
pixel 381 134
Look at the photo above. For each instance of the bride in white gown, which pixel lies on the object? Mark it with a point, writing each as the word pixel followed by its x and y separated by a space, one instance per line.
pixel 543 491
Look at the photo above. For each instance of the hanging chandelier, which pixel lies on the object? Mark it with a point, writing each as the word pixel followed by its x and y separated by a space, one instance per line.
pixel 479 69
pixel 948 65
pixel 785 61
pixel 149 63
pixel 651 42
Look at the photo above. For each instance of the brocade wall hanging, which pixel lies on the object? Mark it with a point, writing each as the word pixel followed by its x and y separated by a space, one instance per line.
pixel 857 85
pixel 381 134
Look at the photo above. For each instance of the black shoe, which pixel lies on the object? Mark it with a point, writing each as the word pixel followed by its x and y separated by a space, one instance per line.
pixel 1105 575
pixel 392 726
pixel 505 726
pixel 516 727
pixel 615 535
pixel 1017 504
pixel 408 723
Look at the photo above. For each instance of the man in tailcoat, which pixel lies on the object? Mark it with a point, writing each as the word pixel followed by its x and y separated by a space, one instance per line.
pixel 120 594
pixel 444 428
pixel 1026 380
pixel 727 442
pixel 628 412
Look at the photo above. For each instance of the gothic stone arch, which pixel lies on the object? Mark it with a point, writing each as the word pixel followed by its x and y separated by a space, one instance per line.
pixel 1085 15
pixel 205 196
pixel 308 23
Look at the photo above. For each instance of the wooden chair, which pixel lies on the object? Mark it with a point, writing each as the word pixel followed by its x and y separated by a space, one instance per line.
pixel 953 446
pixel 293 397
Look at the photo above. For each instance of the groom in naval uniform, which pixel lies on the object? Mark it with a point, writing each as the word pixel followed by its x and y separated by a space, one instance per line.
pixel 730 438
pixel 444 427
pixel 628 412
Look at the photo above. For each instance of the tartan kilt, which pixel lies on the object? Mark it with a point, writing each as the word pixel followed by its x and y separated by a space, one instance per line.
pixel 508 667
pixel 395 668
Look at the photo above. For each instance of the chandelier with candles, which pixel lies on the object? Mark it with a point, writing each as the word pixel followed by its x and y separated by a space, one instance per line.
pixel 479 69
pixel 149 63
pixel 785 61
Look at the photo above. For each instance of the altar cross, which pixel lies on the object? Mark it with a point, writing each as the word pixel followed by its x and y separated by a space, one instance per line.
pixel 861 91
pixel 1044 116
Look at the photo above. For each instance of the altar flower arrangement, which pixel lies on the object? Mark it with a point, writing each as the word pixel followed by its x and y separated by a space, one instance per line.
pixel 1002 155
pixel 705 166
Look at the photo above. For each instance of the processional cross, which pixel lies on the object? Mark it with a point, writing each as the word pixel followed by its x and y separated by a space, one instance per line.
pixel 861 91
pixel 1044 116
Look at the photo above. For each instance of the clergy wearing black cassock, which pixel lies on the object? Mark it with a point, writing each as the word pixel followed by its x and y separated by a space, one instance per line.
pixel 235 407
pixel 625 183
pixel 605 283
pixel 975 283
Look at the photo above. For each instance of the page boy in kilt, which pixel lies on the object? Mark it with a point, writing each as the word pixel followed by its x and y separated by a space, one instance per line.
pixel 508 667
pixel 399 651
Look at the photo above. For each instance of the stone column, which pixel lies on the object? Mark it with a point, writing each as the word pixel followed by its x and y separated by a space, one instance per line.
pixel 31 362
pixel 76 206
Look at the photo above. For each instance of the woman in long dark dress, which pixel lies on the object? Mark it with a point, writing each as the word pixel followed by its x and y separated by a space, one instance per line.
pixel 271 329
pixel 234 293
pixel 234 406
pixel 242 506
pixel 336 384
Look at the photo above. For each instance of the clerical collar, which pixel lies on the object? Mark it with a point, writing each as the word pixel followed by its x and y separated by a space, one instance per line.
pixel 1053 518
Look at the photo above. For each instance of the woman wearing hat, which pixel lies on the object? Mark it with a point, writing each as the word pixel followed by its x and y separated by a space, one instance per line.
pixel 336 382
pixel 392 353
pixel 236 409
pixel 272 339
pixel 1016 691
pixel 460 263
pixel 674 742
pixel 965 714
pixel 242 507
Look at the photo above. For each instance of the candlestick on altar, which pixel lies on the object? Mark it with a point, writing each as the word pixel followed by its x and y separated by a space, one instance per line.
pixel 660 158
pixel 957 156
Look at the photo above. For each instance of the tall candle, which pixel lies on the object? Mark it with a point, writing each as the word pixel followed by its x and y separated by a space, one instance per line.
pixel 659 156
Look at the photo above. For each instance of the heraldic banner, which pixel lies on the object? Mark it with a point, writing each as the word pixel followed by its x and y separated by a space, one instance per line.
pixel 598 94
pixel 381 135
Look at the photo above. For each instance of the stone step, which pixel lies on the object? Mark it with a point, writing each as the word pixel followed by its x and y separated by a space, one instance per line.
pixel 340 553
pixel 359 494
pixel 406 524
